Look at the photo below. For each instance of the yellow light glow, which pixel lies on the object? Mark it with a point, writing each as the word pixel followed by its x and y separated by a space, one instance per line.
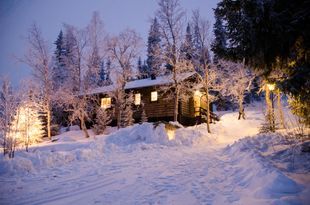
pixel 154 96
pixel 137 99
pixel 105 103
pixel 198 93
pixel 170 134
pixel 27 127
pixel 271 86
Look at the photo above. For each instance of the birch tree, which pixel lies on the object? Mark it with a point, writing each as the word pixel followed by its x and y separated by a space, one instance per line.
pixel 123 51
pixel 38 58
pixel 237 81
pixel 8 105
pixel 201 56
pixel 96 37
pixel 171 17
pixel 76 41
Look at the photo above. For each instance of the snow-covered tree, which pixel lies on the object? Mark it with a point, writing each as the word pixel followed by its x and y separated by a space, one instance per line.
pixel 154 51
pixel 123 51
pixel 74 98
pixel 171 16
pixel 75 42
pixel 187 48
pixel 238 80
pixel 39 60
pixel 60 71
pixel 219 43
pixel 127 115
pixel 143 113
pixel 103 118
pixel 78 107
pixel 8 106
pixel 96 35
pixel 143 69
pixel 201 57
pixel 27 126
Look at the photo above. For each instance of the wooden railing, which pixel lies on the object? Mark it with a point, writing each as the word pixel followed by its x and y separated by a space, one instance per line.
pixel 202 115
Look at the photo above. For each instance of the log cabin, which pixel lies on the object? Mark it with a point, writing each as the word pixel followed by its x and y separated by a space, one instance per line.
pixel 157 104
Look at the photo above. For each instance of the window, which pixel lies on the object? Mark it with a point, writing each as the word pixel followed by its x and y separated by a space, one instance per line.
pixel 154 96
pixel 105 103
pixel 137 99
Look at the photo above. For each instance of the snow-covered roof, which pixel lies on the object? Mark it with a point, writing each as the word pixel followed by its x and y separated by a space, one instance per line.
pixel 161 80
pixel 148 82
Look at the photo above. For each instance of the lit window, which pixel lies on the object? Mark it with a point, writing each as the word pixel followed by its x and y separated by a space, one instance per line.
pixel 105 103
pixel 154 96
pixel 137 99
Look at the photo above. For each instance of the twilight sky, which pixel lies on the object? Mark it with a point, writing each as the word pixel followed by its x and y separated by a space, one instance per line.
pixel 16 16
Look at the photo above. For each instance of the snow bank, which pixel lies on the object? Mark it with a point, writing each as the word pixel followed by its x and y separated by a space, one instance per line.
pixel 145 133
pixel 261 177
pixel 148 134
pixel 53 156
pixel 72 146
pixel 17 166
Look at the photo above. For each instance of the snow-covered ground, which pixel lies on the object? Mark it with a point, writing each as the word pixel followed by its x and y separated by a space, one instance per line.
pixel 140 165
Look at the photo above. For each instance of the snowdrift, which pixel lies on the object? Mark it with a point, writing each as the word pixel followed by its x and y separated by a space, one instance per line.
pixel 263 178
pixel 54 155
pixel 151 135
pixel 72 146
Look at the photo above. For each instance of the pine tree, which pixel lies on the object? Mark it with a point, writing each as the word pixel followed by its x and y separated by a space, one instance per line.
pixel 103 118
pixel 108 72
pixel 101 77
pixel 73 57
pixel 29 124
pixel 270 34
pixel 60 71
pixel 104 73
pixel 127 115
pixel 154 51
pixel 187 46
pixel 143 69
pixel 143 114
pixel 219 43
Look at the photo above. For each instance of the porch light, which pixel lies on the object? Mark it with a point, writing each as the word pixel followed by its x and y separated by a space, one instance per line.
pixel 271 86
pixel 198 93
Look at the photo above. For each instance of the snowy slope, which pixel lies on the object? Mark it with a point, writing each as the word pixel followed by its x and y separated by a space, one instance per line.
pixel 140 165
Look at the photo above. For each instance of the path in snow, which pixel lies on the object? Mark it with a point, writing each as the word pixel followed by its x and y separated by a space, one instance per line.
pixel 186 176
pixel 200 174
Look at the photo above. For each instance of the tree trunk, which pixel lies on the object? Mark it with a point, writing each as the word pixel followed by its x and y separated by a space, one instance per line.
pixel 207 98
pixel 119 116
pixel 241 110
pixel 269 110
pixel 176 105
pixel 280 109
pixel 49 135
pixel 83 126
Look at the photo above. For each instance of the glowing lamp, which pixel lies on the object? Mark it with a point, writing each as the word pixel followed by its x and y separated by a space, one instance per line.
pixel 198 93
pixel 271 86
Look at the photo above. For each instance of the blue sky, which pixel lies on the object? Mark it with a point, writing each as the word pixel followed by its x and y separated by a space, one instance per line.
pixel 16 16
